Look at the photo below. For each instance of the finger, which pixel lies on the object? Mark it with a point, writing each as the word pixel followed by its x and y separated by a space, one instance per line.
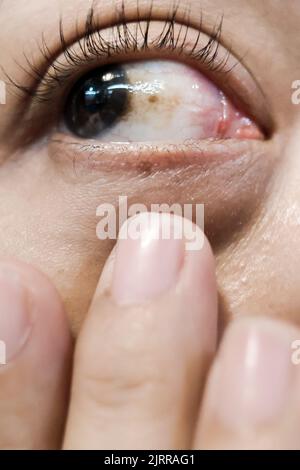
pixel 35 344
pixel 252 395
pixel 143 352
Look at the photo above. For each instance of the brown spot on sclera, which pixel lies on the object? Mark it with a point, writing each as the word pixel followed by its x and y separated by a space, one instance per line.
pixel 153 99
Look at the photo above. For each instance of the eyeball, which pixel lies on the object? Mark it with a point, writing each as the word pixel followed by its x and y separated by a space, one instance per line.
pixel 154 100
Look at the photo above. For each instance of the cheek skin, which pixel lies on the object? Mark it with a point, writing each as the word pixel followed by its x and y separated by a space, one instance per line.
pixel 56 231
pixel 260 274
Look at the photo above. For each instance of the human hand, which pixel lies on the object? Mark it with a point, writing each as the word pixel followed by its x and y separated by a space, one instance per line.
pixel 145 354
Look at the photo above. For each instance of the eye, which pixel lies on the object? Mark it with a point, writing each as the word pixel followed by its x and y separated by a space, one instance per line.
pixel 153 100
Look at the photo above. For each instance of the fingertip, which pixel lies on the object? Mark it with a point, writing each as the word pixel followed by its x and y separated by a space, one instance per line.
pixel 38 363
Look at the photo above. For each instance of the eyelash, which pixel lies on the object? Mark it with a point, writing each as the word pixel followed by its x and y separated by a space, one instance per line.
pixel 93 46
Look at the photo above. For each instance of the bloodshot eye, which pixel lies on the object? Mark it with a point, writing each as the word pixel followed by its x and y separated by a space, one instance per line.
pixel 154 100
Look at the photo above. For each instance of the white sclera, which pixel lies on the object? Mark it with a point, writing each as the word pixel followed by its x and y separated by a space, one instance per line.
pixel 171 101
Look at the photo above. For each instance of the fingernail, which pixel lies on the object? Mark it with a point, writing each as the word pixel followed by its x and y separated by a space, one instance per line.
pixel 255 374
pixel 148 260
pixel 15 322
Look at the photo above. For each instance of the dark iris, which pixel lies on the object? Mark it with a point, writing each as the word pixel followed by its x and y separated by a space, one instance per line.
pixel 97 101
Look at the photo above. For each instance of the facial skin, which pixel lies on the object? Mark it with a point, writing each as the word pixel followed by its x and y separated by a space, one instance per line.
pixel 250 190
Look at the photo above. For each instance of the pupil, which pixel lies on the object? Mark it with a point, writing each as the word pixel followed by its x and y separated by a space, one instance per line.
pixel 97 101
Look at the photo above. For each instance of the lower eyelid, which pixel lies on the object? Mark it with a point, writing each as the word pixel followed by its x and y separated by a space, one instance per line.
pixel 90 158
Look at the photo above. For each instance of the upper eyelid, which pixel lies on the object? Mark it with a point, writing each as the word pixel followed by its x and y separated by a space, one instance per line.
pixel 89 42
pixel 60 73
